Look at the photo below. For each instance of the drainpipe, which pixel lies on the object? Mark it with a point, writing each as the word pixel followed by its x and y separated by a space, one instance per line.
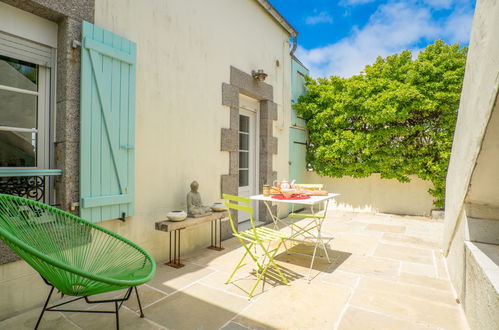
pixel 293 49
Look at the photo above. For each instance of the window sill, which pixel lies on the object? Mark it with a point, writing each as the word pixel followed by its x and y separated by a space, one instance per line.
pixel 28 172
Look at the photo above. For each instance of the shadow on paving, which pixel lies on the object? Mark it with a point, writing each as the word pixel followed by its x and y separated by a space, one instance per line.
pixel 299 257
pixel 192 297
pixel 271 278
pixel 196 307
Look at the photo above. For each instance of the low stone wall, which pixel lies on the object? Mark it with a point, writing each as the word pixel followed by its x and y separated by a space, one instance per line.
pixel 481 300
pixel 373 194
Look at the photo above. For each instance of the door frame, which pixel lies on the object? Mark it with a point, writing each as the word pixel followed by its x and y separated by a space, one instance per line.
pixel 250 106
pixel 241 82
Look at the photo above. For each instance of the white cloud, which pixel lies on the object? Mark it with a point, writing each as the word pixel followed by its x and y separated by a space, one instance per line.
pixel 392 28
pixel 322 17
pixel 458 26
pixel 439 4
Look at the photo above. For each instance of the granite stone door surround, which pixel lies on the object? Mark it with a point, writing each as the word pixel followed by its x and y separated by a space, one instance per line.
pixel 243 83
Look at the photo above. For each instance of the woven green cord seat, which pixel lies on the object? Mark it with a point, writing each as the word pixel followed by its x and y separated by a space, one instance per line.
pixel 77 257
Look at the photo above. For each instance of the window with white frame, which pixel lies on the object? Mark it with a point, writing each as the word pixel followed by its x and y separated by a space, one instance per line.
pixel 25 86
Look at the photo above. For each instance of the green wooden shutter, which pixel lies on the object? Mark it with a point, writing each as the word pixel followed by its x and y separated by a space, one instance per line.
pixel 107 125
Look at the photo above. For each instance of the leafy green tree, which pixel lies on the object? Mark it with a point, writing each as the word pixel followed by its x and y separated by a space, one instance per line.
pixel 397 118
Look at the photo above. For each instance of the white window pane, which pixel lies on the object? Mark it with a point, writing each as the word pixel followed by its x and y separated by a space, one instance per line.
pixel 18 110
pixel 17 149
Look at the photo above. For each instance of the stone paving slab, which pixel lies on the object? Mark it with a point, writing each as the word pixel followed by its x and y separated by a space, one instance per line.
pixel 128 320
pixel 408 308
pixel 404 253
pixel 371 266
pixel 169 279
pixel 28 320
pixel 386 228
pixel 425 282
pixel 354 243
pixel 148 295
pixel 355 319
pixel 422 241
pixel 291 308
pixel 196 307
pixel 407 289
pixel 417 268
pixel 386 272
pixel 339 277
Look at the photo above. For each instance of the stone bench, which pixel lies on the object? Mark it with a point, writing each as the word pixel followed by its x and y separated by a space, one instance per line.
pixel 174 228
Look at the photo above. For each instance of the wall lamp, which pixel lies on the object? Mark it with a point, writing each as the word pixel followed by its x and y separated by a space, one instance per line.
pixel 259 75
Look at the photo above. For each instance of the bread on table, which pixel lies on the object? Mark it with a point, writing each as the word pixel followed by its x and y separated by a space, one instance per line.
pixel 316 192
pixel 275 190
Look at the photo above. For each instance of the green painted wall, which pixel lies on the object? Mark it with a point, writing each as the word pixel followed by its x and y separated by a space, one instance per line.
pixel 297 132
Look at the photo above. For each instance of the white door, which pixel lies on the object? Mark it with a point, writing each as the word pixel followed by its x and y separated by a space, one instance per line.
pixel 248 152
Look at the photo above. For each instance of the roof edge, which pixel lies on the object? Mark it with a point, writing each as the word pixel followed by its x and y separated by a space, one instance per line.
pixel 299 62
pixel 278 17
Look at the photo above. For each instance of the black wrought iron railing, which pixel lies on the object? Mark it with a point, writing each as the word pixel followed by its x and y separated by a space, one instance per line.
pixel 33 184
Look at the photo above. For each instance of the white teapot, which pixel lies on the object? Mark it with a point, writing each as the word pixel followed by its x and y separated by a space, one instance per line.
pixel 284 184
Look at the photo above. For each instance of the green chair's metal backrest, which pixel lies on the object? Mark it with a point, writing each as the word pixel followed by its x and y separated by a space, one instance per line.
pixel 229 203
pixel 318 186
pixel 78 257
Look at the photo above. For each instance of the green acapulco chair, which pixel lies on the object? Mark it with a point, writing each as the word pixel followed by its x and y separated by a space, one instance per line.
pixel 73 255
pixel 252 239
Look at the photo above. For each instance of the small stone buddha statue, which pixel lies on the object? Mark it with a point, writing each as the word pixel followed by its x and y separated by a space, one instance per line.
pixel 195 207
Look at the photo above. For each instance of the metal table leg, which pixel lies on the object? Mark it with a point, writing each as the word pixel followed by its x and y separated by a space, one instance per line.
pixel 316 223
pixel 318 239
pixel 175 261
pixel 214 245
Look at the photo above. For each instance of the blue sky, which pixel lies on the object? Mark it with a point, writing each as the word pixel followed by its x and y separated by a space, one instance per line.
pixel 340 37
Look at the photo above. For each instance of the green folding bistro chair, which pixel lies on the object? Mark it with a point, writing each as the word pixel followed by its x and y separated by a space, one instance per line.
pixel 73 255
pixel 316 215
pixel 254 238
pixel 313 215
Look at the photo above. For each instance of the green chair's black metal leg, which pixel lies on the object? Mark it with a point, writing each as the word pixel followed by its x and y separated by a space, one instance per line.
pixel 138 300
pixel 117 315
pixel 44 307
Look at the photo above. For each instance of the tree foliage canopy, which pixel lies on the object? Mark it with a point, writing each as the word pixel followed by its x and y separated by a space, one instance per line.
pixel 397 118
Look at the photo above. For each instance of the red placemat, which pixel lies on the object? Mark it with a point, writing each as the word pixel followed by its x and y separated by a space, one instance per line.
pixel 293 197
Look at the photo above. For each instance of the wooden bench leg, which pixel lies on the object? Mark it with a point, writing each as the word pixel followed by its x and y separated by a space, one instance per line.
pixel 175 261
pixel 214 245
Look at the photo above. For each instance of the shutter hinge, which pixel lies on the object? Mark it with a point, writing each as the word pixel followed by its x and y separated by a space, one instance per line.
pixel 75 44
pixel 126 146
pixel 73 206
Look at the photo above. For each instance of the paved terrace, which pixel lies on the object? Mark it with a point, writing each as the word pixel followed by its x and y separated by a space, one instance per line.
pixel 387 273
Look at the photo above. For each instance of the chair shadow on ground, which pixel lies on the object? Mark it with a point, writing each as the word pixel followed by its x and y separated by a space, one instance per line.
pixel 174 307
pixel 295 266
pixel 299 257
pixel 270 280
